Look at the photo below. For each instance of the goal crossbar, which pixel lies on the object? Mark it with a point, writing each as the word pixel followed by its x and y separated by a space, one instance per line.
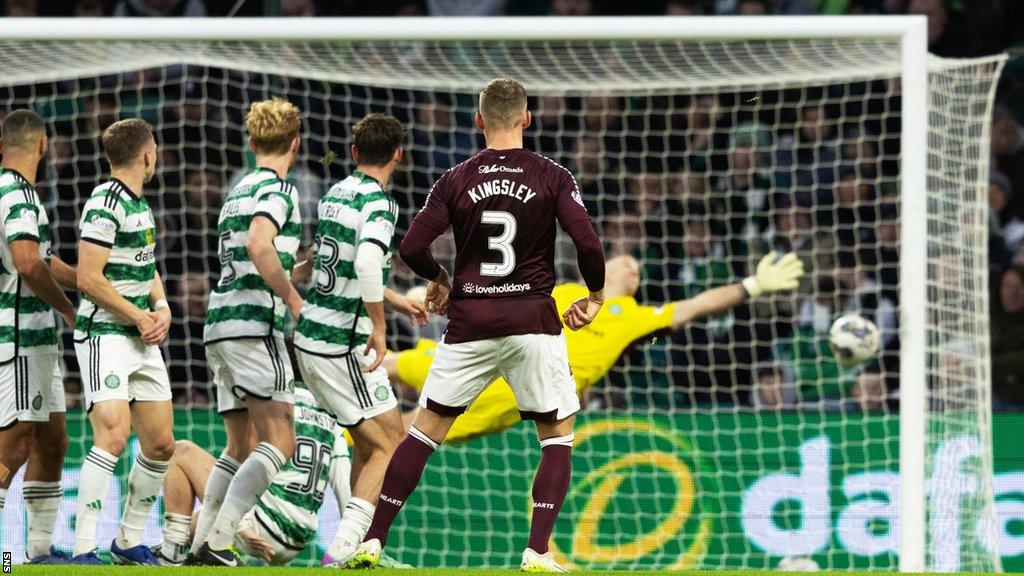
pixel 461 29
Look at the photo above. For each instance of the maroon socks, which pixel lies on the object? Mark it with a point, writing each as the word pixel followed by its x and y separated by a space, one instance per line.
pixel 400 479
pixel 410 458
pixel 549 489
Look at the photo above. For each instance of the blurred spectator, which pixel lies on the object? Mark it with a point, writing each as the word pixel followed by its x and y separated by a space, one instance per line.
pixel 298 8
pixel 947 32
pixel 790 229
pixel 1006 229
pixel 870 392
pixel 684 8
pixel 741 197
pixel 466 7
pixel 622 234
pixel 863 296
pixel 854 212
pixel 89 8
pixel 188 8
pixel 188 297
pixel 808 162
pixel 413 8
pixel 771 391
pixel 1007 332
pixel 762 7
pixel 753 8
pixel 21 8
pixel 1008 153
pixel 859 150
pixel 438 141
pixel 794 7
pixel 700 123
pixel 571 8
pixel 886 252
pixel 820 379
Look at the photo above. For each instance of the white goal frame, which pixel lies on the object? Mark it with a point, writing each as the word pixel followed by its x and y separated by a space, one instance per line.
pixel 910 30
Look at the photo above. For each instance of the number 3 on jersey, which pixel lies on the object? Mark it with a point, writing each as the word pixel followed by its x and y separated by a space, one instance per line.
pixel 327 255
pixel 501 243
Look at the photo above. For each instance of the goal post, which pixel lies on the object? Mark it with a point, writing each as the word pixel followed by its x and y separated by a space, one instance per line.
pixel 700 144
pixel 913 264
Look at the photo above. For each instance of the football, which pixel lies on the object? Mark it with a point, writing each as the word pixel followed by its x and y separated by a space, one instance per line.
pixel 853 339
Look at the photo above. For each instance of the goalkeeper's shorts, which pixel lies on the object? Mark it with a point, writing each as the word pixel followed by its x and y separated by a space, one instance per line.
pixel 536 367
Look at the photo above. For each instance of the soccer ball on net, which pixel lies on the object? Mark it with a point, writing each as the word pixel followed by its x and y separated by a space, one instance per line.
pixel 853 339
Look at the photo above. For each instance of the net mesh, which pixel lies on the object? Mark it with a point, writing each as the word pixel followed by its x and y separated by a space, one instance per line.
pixel 735 441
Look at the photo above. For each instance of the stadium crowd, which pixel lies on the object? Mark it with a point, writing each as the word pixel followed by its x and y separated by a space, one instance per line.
pixel 696 187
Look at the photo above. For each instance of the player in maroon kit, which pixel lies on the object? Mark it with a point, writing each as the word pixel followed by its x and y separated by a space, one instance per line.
pixel 502 206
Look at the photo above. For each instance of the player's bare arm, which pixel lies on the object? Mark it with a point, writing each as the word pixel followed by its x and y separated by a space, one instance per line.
pixel 63 273
pixel 263 254
pixel 414 310
pixel 33 270
pixel 161 313
pixel 92 259
pixel 303 268
pixel 771 276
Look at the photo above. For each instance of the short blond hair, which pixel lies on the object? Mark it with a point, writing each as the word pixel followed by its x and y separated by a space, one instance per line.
pixel 272 125
pixel 503 103
pixel 124 141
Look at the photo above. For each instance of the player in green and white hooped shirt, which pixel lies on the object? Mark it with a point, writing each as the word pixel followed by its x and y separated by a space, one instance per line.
pixel 259 229
pixel 32 422
pixel 339 339
pixel 284 520
pixel 122 318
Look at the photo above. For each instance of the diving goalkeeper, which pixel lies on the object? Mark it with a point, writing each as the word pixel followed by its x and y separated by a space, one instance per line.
pixel 595 348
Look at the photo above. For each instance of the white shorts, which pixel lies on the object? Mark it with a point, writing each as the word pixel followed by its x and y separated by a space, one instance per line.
pixel 31 388
pixel 536 367
pixel 257 367
pixel 343 390
pixel 282 554
pixel 118 367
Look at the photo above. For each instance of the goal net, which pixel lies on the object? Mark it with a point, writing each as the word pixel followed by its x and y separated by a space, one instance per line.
pixel 733 442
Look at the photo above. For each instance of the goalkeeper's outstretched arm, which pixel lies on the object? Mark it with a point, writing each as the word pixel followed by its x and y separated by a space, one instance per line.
pixel 771 276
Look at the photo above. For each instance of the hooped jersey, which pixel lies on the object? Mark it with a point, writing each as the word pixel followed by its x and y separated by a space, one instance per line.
pixel 289 507
pixel 27 324
pixel 117 219
pixel 242 305
pixel 354 211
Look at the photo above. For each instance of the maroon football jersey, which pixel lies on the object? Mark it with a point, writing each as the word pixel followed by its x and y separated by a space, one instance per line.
pixel 502 206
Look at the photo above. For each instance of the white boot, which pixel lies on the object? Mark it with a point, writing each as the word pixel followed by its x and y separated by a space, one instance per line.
pixel 533 562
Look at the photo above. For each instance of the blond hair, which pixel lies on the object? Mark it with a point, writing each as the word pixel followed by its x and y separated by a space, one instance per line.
pixel 272 125
pixel 503 103
pixel 124 140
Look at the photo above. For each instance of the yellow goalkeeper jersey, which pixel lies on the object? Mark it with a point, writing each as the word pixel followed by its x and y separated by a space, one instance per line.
pixel 593 350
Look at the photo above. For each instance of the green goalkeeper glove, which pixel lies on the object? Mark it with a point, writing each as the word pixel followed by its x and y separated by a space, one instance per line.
pixel 772 276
